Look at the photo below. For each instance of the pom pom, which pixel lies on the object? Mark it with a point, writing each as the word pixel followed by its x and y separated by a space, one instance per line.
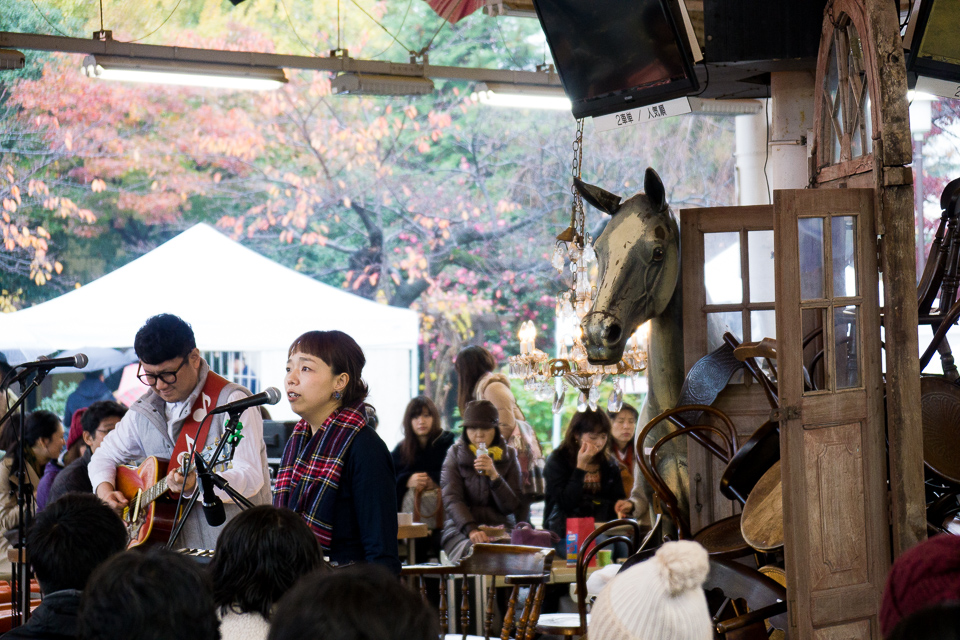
pixel 684 566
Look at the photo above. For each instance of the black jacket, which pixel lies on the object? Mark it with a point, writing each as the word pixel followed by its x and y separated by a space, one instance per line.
pixel 567 499
pixel 429 459
pixel 72 479
pixel 54 619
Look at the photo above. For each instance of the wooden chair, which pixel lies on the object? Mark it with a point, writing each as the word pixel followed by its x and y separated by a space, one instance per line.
pixel 744 603
pixel 575 624
pixel 722 538
pixel 517 566
pixel 752 460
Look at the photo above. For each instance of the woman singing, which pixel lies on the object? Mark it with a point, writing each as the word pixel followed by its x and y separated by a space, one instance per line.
pixel 336 472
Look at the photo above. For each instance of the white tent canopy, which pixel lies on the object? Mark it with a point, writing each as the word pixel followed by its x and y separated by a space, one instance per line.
pixel 236 300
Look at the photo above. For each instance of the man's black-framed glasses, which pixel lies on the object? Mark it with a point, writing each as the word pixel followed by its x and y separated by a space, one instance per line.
pixel 166 377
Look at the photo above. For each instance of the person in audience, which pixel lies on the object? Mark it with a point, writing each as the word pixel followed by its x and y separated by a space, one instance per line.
pixel 154 595
pixel 166 422
pixel 363 602
pixel 74 449
pixel 418 460
pixel 260 555
pixel 336 472
pixel 478 490
pixel 939 622
pixel 660 598
pixel 66 543
pixel 623 426
pixel 43 440
pixel 477 379
pixel 583 481
pixel 925 575
pixel 91 389
pixel 97 421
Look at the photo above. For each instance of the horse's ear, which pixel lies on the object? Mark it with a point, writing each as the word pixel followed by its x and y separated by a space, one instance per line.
pixel 603 200
pixel 653 187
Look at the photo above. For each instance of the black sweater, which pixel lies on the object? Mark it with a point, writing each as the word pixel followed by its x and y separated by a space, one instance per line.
pixel 567 499
pixel 429 459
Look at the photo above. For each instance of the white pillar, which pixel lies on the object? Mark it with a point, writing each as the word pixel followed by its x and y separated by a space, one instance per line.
pixel 791 107
pixel 751 155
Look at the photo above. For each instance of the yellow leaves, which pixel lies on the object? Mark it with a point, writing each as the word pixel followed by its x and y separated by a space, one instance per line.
pixel 58 268
pixel 68 142
pixel 9 205
pixel 347 203
pixel 410 111
pixel 37 188
pixel 98 185
pixel 15 192
pixel 43 233
pixel 217 177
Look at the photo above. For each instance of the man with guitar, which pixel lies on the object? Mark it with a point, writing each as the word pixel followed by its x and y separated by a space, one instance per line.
pixel 168 422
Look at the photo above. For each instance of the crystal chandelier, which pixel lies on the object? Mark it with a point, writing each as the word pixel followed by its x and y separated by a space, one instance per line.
pixel 542 374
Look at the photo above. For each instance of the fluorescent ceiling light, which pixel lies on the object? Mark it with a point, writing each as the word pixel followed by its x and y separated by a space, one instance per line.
pixel 11 59
pixel 369 84
pixel 177 72
pixel 522 96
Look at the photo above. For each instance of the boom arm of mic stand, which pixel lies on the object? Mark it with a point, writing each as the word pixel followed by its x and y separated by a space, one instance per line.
pixel 224 486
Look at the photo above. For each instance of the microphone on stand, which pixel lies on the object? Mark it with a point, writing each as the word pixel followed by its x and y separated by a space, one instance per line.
pixel 270 396
pixel 212 505
pixel 45 364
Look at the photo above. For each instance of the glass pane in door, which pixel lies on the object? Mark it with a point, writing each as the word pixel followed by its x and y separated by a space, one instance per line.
pixel 760 260
pixel 844 232
pixel 846 333
pixel 721 268
pixel 810 238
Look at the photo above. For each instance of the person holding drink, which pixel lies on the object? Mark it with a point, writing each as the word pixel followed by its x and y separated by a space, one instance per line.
pixel 480 480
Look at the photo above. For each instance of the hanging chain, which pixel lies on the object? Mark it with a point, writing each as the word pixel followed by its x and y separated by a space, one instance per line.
pixel 576 214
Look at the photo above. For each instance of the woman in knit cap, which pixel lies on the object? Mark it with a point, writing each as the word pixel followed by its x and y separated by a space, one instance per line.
pixel 660 599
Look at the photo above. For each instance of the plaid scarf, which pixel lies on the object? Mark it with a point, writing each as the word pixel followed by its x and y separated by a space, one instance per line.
pixel 311 466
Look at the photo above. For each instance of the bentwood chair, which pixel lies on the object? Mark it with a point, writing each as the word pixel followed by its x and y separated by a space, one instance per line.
pixel 722 538
pixel 523 569
pixel 744 603
pixel 575 624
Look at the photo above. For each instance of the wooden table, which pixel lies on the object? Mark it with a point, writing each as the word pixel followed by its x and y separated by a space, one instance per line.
pixel 762 519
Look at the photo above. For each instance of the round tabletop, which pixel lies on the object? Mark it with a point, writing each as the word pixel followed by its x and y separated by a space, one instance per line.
pixel 762 519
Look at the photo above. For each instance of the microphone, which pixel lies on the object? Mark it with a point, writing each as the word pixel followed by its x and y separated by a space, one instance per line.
pixel 270 396
pixel 212 505
pixel 45 364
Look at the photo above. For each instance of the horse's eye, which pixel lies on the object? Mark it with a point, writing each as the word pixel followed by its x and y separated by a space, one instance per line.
pixel 658 254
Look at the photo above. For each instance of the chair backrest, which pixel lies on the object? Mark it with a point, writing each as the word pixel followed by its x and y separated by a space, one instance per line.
pixel 743 599
pixel 752 460
pixel 648 462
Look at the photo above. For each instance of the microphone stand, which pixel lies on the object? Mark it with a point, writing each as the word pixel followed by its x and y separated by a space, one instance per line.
pixel 20 592
pixel 231 435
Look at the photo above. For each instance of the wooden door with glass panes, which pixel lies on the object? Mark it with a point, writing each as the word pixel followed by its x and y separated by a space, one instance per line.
pixel 836 530
pixel 728 285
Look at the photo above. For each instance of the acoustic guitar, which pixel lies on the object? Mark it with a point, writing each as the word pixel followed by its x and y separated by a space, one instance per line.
pixel 151 512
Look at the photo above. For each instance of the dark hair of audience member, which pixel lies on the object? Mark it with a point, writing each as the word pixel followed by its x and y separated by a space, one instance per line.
pixel 164 337
pixel 629 408
pixel 583 422
pixel 261 553
pixel 938 622
pixel 470 365
pixel 38 424
pixel 342 354
pixel 70 538
pixel 98 412
pixel 156 595
pixel 357 603
pixel 411 444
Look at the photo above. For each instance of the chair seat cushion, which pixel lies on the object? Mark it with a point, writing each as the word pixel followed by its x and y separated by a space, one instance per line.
pixel 560 623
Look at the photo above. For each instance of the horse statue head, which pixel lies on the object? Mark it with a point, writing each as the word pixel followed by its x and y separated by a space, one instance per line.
pixel 639 260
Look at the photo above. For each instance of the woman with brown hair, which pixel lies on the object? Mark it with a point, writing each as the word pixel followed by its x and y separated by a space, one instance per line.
pixel 336 472
pixel 477 380
pixel 583 480
pixel 418 460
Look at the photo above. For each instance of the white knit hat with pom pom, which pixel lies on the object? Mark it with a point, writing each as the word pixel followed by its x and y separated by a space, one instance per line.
pixel 660 599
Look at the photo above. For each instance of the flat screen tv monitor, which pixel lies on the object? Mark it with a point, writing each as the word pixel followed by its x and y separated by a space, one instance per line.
pixel 934 40
pixel 614 55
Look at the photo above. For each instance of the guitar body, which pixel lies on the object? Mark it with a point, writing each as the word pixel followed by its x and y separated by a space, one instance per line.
pixel 152 522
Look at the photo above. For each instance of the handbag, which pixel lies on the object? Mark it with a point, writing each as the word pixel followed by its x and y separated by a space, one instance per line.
pixel 525 534
pixel 530 457
pixel 426 506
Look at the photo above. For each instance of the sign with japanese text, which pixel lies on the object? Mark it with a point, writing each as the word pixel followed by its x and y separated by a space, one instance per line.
pixel 650 112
